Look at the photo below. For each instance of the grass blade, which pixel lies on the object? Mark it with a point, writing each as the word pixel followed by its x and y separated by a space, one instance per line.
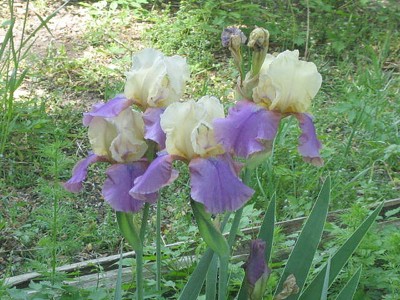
pixel 349 289
pixel 342 255
pixel 325 287
pixel 211 279
pixel 266 232
pixel 300 260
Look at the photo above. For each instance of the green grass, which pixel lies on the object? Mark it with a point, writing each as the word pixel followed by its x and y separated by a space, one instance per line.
pixel 355 45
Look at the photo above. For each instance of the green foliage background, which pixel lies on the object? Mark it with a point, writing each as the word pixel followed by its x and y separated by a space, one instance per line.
pixel 355 45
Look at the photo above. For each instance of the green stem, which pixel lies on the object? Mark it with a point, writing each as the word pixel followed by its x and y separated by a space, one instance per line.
pixel 158 246
pixel 223 277
pixel 139 274
pixel 145 217
pixel 132 236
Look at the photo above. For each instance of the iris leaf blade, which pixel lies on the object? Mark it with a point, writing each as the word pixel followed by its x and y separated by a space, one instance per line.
pixel 300 260
pixel 340 258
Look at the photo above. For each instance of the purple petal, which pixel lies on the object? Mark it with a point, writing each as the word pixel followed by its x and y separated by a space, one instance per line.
pixel 247 129
pixel 255 266
pixel 110 109
pixel 79 172
pixel 152 126
pixel 215 184
pixel 159 174
pixel 309 145
pixel 120 179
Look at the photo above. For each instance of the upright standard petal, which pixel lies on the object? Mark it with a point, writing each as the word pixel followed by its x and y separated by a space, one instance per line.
pixel 110 109
pixel 129 145
pixel 178 122
pixel 247 129
pixel 120 138
pixel 287 84
pixel 309 145
pixel 188 127
pixel 79 173
pixel 159 174
pixel 215 184
pixel 156 80
pixel 178 74
pixel 152 127
pixel 120 179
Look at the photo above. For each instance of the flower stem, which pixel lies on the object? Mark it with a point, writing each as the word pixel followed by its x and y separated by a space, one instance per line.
pixel 145 217
pixel 223 277
pixel 132 236
pixel 139 274
pixel 158 246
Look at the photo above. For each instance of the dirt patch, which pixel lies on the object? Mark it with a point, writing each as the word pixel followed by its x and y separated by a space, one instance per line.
pixel 70 33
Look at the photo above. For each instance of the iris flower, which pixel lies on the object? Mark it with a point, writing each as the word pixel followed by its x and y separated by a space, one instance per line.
pixel 116 134
pixel 190 137
pixel 285 87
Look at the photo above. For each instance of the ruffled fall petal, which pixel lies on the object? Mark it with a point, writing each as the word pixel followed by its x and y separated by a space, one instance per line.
pixel 159 174
pixel 152 129
pixel 79 172
pixel 309 145
pixel 110 109
pixel 247 129
pixel 215 184
pixel 120 179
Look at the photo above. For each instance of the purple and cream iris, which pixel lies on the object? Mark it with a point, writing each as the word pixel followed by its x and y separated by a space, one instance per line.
pixel 285 87
pixel 190 137
pixel 116 134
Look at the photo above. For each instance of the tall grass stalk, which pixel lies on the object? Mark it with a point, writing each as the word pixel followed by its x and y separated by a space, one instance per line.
pixel 54 231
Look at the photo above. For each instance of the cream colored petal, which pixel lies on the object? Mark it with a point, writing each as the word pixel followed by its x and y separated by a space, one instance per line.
pixel 126 148
pixel 177 122
pixel 130 144
pixel 147 78
pixel 130 120
pixel 212 108
pixel 203 140
pixel 288 84
pixel 177 74
pixel 296 82
pixel 265 92
pixel 156 80
pixel 101 134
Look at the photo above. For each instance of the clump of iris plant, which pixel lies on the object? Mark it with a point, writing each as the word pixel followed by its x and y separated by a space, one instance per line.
pixel 120 135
